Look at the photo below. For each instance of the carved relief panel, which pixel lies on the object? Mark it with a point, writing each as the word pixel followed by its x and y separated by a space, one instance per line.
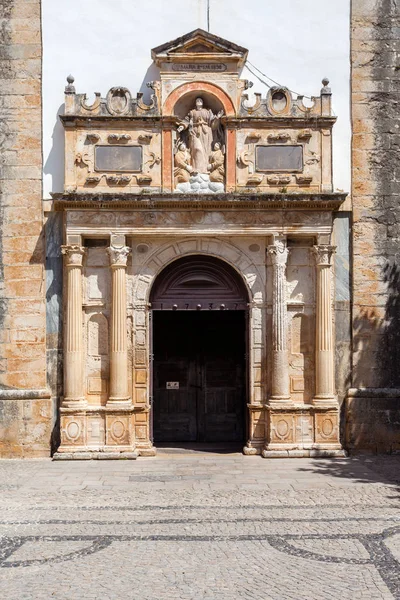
pixel 279 159
pixel 109 159
pixel 301 322
pixel 96 307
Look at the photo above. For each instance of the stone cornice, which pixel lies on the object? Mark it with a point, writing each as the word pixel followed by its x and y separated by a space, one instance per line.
pixel 322 201
pixel 261 122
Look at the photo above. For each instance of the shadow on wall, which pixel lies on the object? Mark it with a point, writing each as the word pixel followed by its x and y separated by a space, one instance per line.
pixel 152 74
pixel 54 165
pixel 373 416
pixel 378 337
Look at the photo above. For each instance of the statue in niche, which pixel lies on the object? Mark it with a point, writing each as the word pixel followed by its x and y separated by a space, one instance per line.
pixel 182 166
pixel 216 166
pixel 203 127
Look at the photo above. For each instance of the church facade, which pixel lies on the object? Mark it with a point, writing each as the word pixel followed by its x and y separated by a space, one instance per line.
pixel 198 279
pixel 198 263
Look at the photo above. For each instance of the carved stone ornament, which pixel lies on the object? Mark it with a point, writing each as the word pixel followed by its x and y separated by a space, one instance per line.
pixel 203 129
pixel 279 179
pixel 73 254
pixel 281 136
pixel 93 179
pixel 154 159
pixel 91 107
pixel 118 101
pixel 313 159
pixel 118 179
pixel 305 135
pixel 82 159
pixel 304 179
pixel 278 252
pixel 323 255
pixel 116 137
pixel 146 107
pixel 118 256
pixel 253 137
pixel 144 138
pixel 93 138
pixel 144 179
pixel 254 179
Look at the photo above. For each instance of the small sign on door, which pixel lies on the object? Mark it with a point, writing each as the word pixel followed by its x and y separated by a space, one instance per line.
pixel 172 385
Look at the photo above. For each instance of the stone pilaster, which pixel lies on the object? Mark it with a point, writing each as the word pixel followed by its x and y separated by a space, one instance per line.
pixel 324 358
pixel 280 395
pixel 74 392
pixel 119 393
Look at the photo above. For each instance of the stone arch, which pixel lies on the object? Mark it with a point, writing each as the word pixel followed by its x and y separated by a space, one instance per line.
pixel 200 87
pixel 254 279
pixel 228 252
pixel 199 280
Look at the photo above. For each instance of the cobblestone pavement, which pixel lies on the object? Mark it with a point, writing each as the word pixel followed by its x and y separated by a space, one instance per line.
pixel 200 526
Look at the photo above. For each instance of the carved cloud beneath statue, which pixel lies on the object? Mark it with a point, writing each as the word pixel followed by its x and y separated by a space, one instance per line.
pixel 200 168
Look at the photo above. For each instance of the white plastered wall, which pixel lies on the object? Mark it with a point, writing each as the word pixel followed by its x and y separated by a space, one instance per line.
pixel 106 43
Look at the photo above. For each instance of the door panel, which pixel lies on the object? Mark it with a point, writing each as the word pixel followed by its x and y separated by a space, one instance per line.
pixel 204 353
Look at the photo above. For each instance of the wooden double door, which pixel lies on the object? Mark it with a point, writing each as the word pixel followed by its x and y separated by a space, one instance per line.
pixel 199 376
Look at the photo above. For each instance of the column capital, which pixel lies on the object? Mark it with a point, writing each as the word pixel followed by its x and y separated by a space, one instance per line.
pixel 323 255
pixel 74 254
pixel 118 256
pixel 278 252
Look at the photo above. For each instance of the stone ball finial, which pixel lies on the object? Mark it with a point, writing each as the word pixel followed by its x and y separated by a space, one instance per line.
pixel 326 90
pixel 70 88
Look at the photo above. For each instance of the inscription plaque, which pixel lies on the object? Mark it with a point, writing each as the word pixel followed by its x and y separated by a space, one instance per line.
pixel 118 158
pixel 199 67
pixel 279 158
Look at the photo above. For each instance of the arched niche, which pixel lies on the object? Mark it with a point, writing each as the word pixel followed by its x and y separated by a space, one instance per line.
pixel 214 94
pixel 217 97
pixel 302 334
pixel 187 102
pixel 98 335
pixel 199 282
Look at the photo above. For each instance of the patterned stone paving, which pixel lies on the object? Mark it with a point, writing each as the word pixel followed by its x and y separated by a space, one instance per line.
pixel 200 525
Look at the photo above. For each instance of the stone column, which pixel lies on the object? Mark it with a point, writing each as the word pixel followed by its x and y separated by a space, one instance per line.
pixel 280 371
pixel 324 359
pixel 119 393
pixel 74 391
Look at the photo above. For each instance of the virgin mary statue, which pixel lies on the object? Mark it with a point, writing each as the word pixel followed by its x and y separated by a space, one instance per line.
pixel 201 123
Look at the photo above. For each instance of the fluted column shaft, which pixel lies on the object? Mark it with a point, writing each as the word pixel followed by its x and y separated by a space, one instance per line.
pixel 324 355
pixel 278 253
pixel 119 392
pixel 74 390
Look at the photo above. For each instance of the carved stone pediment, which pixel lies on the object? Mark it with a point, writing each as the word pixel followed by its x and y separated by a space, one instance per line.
pixel 197 43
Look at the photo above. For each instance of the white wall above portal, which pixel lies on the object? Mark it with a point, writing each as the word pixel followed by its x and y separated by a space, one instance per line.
pixel 106 44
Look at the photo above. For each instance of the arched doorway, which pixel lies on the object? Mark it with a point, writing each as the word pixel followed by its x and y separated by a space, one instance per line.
pixel 199 346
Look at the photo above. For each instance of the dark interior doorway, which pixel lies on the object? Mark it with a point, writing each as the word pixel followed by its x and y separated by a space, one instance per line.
pixel 199 376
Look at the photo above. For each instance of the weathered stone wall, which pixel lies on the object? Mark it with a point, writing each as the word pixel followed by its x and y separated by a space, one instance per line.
pixel 25 406
pixel 373 415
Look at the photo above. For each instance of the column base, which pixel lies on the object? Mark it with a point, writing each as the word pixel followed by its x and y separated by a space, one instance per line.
pixel 252 449
pixel 277 402
pixel 117 402
pixel 325 402
pixel 78 403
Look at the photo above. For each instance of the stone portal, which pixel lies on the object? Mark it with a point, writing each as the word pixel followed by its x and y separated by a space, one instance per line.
pixel 203 218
